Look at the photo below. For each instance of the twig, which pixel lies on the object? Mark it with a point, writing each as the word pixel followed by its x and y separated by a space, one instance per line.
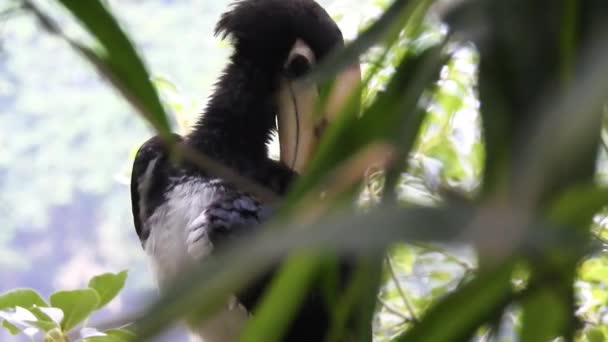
pixel 406 301
pixel 394 310
pixel 447 255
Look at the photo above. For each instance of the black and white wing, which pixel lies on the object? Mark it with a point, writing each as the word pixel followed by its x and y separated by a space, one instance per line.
pixel 181 217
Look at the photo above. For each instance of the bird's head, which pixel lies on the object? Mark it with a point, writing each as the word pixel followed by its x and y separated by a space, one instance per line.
pixel 287 38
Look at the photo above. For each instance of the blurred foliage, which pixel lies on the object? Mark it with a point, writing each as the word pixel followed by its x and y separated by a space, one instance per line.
pixel 64 316
pixel 77 156
pixel 430 288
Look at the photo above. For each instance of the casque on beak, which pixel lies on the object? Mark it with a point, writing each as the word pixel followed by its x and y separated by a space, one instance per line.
pixel 299 127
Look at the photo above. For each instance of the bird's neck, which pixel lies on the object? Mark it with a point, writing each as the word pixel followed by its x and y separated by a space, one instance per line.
pixel 240 116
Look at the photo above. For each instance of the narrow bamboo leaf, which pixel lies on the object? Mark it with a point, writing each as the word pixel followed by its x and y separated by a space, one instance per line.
pixel 208 286
pixel 108 285
pixel 459 314
pixel 270 322
pixel 77 305
pixel 386 119
pixel 120 61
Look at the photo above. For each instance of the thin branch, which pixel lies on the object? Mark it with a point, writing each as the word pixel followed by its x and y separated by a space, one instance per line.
pixel 405 299
pixel 604 140
pixel 432 248
pixel 394 310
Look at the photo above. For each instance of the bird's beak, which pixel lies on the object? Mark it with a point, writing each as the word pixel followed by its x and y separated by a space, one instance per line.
pixel 299 126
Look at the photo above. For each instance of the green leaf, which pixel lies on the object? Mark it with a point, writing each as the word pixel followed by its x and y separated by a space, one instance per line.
pixel 403 257
pixel 123 334
pixel 44 321
pixel 544 315
pixel 25 298
pixel 108 285
pixel 210 285
pixel 106 338
pixel 594 270
pixel 272 330
pixel 576 205
pixel 114 335
pixel 77 305
pixel 440 276
pixel 22 318
pixel 11 327
pixel 595 335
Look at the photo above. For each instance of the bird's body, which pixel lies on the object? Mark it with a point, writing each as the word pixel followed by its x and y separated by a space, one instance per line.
pixel 193 215
pixel 182 214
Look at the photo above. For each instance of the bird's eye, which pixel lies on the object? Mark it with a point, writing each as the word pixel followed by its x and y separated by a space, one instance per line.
pixel 299 61
pixel 297 66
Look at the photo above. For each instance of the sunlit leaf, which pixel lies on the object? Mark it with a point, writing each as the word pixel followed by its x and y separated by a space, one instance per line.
pixel 540 324
pixel 77 305
pixel 21 297
pixel 108 285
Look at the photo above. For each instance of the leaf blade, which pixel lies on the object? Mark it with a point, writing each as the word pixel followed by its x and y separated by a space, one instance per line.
pixel 108 286
pixel 76 305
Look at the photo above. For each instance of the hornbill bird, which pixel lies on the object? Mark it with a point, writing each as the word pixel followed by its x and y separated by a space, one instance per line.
pixel 182 214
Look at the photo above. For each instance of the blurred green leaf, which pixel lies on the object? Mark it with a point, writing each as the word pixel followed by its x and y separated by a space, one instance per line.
pixel 384 120
pixel 594 270
pixel 577 205
pixel 208 286
pixel 544 316
pixel 45 322
pixel 114 335
pixel 270 321
pixel 108 285
pixel 116 59
pixel 77 305
pixel 123 334
pixel 11 327
pixel 595 335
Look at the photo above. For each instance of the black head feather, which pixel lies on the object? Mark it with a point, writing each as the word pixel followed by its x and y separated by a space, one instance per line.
pixel 265 30
pixel 240 115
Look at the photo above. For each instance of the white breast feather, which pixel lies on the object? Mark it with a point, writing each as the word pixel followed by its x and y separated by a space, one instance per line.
pixel 177 242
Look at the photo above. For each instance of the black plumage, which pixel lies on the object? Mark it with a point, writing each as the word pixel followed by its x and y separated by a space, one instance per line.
pixel 181 213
